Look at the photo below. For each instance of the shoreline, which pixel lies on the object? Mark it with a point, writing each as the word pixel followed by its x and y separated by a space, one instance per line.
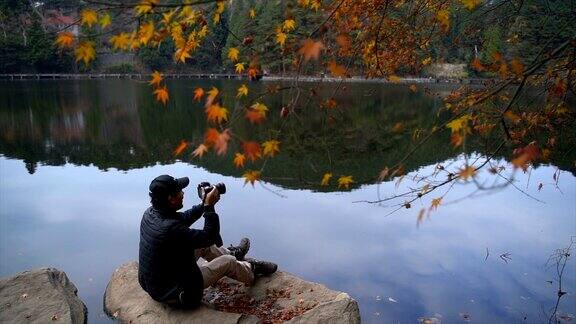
pixel 140 76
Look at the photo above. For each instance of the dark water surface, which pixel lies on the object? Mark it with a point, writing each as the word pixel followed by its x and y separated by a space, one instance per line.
pixel 76 158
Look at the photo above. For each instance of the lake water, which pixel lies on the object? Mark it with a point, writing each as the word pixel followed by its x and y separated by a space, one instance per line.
pixel 76 158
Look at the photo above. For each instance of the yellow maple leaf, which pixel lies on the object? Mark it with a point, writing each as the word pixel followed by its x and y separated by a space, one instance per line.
pixel 459 124
pixel 251 176
pixel 345 181
pixel 203 31
pixel 326 179
pixel 239 160
pixel 242 91
pixel 146 32
pixel 198 94
pixel 443 17
pixel 435 203
pixel 471 4
pixel 239 67
pixel 252 13
pixel 467 172
pixel 162 95
pixel 311 49
pixel 145 6
pixel 427 61
pixel 233 54
pixel 289 24
pixel 212 93
pixel 65 40
pixel 216 18
pixel 88 17
pixel 120 41
pixel 182 54
pixel 216 114
pixel 270 148
pixel 200 150
pixel 156 78
pixel 220 6
pixel 393 78
pixel 105 20
pixel 85 52
pixel 281 38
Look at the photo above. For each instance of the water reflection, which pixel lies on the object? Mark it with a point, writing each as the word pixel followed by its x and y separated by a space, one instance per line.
pixel 95 146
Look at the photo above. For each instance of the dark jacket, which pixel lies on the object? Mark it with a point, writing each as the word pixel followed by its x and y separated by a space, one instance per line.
pixel 167 265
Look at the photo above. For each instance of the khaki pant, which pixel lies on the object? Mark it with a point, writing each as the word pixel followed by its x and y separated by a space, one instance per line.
pixel 222 264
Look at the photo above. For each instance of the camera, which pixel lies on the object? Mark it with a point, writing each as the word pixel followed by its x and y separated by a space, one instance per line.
pixel 205 187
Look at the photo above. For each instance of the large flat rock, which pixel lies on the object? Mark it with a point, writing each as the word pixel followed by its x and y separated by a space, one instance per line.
pixel 44 295
pixel 281 297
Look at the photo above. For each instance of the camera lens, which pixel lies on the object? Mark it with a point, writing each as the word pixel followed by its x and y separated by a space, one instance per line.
pixel 221 188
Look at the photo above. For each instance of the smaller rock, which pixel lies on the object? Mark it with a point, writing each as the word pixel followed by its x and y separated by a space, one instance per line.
pixel 40 296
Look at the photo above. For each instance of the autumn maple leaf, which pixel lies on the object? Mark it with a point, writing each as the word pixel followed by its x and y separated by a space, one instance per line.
pixel 233 54
pixel 443 17
pixel 467 172
pixel 145 6
pixel 239 160
pixel 251 176
pixel 156 78
pixel 105 20
pixel 326 179
pixel 88 17
pixel 252 150
pixel 85 52
pixel 198 94
pixel 270 148
pixel 120 41
pixel 460 123
pixel 280 38
pixel 242 91
pixel 254 116
pixel 162 94
pixel 211 136
pixel 252 13
pixel 310 49
pixel 336 70
pixel 435 203
pixel 345 181
pixel 65 40
pixel 239 67
pixel 180 148
pixel 200 150
pixel 289 24
pixel 216 113
pixel 221 144
pixel 146 32
pixel 471 4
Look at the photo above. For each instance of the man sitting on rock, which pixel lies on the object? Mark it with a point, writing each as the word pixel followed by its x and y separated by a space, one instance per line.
pixel 169 248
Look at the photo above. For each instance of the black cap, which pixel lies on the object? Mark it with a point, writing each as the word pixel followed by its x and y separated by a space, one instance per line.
pixel 165 185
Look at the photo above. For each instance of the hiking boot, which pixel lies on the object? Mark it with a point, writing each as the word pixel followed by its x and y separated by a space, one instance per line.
pixel 262 268
pixel 240 251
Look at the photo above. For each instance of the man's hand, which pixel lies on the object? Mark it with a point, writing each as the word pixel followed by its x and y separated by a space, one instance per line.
pixel 212 198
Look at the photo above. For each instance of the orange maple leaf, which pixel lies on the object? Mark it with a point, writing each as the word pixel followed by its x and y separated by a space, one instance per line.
pixel 200 150
pixel 181 147
pixel 251 176
pixel 252 150
pixel 221 144
pixel 162 94
pixel 252 73
pixel 65 40
pixel 310 49
pixel 216 114
pixel 525 155
pixel 467 172
pixel 156 79
pixel 198 94
pixel 211 136
pixel 336 70
pixel 435 203
pixel 239 160
pixel 254 116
